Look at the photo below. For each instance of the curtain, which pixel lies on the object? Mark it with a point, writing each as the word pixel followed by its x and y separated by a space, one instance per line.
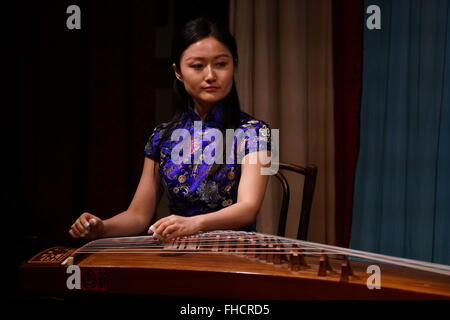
pixel 83 112
pixel 73 132
pixel 285 77
pixel 347 74
pixel 402 187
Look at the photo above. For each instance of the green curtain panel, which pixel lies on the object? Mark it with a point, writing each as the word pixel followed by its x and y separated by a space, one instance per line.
pixel 402 186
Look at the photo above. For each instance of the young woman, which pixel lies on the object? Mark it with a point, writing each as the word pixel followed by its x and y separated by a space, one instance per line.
pixel 202 196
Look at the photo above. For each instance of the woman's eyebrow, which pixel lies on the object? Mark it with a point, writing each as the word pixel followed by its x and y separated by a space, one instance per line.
pixel 202 58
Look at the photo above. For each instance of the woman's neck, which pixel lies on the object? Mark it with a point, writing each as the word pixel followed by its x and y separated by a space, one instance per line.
pixel 202 110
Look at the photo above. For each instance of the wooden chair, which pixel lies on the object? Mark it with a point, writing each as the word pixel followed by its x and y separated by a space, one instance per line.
pixel 310 173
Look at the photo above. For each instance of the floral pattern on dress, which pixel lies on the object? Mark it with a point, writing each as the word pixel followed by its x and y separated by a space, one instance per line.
pixel 189 188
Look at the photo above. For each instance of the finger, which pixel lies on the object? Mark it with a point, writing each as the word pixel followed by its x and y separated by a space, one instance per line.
pixel 89 220
pixel 170 229
pixel 84 221
pixel 94 225
pixel 74 233
pixel 174 235
pixel 157 236
pixel 81 228
pixel 162 220
pixel 154 228
pixel 78 227
pixel 163 226
pixel 151 229
pixel 159 225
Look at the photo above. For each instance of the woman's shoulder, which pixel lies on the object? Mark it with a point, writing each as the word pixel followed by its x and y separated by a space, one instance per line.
pixel 256 134
pixel 157 133
pixel 249 122
pixel 161 126
pixel 177 121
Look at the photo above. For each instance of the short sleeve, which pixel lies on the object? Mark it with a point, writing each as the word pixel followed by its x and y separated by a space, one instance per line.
pixel 152 147
pixel 256 137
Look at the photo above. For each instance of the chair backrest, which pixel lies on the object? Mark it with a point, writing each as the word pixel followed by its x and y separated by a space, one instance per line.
pixel 309 184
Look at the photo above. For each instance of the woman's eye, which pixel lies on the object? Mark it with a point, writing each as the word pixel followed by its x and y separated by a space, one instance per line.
pixel 221 64
pixel 197 66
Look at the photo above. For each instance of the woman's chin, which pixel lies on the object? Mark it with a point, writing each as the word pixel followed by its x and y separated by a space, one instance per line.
pixel 211 99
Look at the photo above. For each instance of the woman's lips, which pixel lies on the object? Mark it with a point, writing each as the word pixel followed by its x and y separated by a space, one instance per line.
pixel 210 89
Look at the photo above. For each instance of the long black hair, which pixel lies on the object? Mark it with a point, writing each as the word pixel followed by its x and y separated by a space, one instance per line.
pixel 193 31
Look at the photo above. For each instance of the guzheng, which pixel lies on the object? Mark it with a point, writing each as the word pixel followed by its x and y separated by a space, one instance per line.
pixel 233 264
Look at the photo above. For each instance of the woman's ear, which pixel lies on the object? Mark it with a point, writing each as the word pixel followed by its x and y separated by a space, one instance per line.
pixel 177 72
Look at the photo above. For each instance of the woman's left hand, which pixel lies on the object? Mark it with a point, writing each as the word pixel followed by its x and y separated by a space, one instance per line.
pixel 175 226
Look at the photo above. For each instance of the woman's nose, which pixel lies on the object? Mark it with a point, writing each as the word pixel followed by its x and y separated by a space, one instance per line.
pixel 210 74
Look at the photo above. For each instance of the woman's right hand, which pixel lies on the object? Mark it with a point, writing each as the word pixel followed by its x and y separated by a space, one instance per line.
pixel 87 226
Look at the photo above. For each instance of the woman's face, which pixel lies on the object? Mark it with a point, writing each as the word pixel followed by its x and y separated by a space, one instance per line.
pixel 206 69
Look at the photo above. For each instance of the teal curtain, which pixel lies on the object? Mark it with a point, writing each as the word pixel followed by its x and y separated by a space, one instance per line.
pixel 402 186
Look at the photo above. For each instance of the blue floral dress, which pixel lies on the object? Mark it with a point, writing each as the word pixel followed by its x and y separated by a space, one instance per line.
pixel 190 188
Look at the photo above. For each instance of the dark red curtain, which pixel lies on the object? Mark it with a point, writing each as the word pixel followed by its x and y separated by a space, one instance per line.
pixel 81 109
pixel 347 51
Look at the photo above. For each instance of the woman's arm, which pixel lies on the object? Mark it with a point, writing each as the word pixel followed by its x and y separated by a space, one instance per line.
pixel 135 219
pixel 251 190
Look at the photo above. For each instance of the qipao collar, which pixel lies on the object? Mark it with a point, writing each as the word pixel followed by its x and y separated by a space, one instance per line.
pixel 213 119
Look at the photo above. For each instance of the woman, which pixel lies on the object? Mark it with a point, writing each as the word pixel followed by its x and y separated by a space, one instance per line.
pixel 202 196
